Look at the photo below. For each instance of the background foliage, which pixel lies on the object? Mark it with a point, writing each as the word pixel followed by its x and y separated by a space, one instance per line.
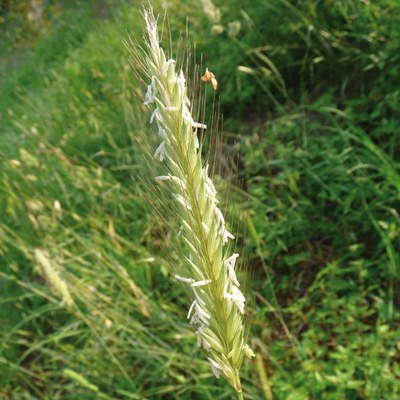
pixel 310 97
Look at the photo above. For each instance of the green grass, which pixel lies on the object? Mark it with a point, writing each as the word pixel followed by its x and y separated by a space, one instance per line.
pixel 316 123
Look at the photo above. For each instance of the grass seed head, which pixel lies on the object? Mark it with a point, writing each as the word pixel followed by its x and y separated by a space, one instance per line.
pixel 206 267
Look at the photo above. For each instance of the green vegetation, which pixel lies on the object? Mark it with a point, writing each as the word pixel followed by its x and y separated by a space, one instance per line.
pixel 310 97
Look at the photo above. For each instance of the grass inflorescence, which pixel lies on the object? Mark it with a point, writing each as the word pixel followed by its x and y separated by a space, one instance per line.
pixel 204 263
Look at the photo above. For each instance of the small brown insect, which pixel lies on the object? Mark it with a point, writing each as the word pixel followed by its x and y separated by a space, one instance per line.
pixel 210 77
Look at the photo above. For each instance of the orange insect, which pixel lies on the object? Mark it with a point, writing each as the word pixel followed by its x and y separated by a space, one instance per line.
pixel 210 77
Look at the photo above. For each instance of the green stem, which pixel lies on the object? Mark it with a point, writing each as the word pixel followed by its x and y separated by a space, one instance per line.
pixel 238 386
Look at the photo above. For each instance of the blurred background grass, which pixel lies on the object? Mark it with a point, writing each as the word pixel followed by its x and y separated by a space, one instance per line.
pixel 310 94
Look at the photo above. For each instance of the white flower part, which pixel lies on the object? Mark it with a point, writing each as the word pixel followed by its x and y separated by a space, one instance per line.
pixel 201 312
pixel 225 235
pixel 171 108
pixel 230 264
pixel 149 95
pixel 216 368
pixel 248 351
pixel 210 190
pixel 191 309
pixel 221 220
pixel 179 79
pixel 151 92
pixel 202 315
pixel 181 200
pixel 231 260
pixel 160 151
pixel 162 178
pixel 220 216
pixel 201 283
pixel 229 235
pixel 198 125
pixel 237 297
pixel 194 319
pixel 199 316
pixel 187 117
pixel 165 67
pixel 153 115
pixel 183 279
pixel 156 115
pixel 232 275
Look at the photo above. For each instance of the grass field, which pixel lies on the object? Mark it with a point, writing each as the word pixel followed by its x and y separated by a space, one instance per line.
pixel 310 97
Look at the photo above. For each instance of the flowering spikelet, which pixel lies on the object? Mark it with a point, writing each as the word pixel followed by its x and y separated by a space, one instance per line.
pixel 213 13
pixel 207 269
pixel 53 278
